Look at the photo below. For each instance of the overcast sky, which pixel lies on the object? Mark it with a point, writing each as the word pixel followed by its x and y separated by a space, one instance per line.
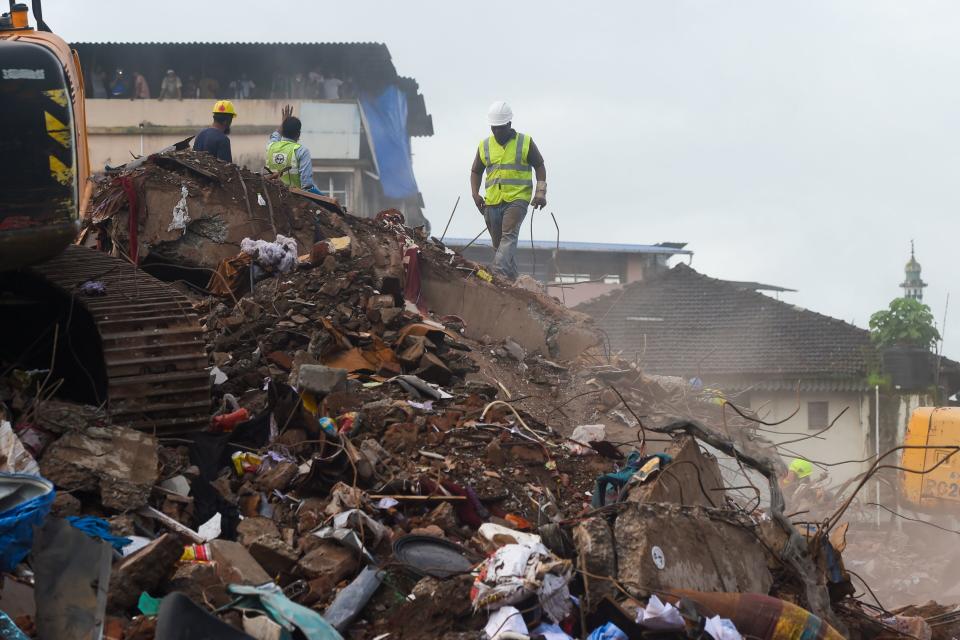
pixel 798 143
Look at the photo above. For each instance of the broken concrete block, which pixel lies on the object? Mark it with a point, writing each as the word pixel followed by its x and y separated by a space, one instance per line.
pixel 381 301
pixel 199 582
pixel 310 515
pixel 597 554
pixel 443 516
pixel 515 350
pixel 252 529
pixel 432 369
pixel 389 314
pixel 235 564
pixel 119 463
pixel 144 570
pixel 322 380
pixel 666 546
pixel 274 555
pixel 65 505
pixel 277 478
pixel 429 530
pixel 329 561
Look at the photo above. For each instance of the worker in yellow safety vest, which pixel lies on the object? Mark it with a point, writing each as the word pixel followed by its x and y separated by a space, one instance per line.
pixel 289 158
pixel 510 160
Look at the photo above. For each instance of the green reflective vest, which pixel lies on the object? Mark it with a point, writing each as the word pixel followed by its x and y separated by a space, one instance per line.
pixel 282 154
pixel 509 177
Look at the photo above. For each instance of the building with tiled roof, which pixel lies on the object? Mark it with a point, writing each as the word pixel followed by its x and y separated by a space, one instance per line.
pixel 683 323
pixel 763 353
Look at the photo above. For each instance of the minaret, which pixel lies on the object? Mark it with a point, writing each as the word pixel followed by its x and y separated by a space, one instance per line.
pixel 913 286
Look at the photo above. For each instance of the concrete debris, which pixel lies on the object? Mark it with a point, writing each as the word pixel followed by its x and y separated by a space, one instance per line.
pixel 143 571
pixel 235 565
pixel 322 380
pixel 666 546
pixel 386 410
pixel 120 464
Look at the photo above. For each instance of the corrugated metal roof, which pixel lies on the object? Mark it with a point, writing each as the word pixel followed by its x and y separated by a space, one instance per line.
pixel 580 246
pixel 369 62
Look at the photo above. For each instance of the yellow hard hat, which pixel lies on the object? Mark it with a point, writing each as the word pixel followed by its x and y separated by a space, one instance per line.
pixel 225 106
pixel 802 468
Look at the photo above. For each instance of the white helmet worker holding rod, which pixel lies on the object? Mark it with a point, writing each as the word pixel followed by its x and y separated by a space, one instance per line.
pixel 510 160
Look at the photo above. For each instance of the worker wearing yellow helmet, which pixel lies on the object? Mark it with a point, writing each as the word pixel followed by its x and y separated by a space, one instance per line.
pixel 214 138
pixel 798 471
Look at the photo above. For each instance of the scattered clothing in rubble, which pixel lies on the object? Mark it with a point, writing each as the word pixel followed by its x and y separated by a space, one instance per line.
pixel 615 482
pixel 99 529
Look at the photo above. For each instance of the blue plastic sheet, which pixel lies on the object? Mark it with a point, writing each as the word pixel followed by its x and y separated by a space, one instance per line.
pixel 386 117
pixel 17 522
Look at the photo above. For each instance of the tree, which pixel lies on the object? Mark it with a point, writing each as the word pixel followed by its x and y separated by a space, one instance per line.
pixel 907 323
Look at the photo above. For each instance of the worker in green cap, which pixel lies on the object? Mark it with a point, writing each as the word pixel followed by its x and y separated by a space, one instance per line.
pixel 797 478
pixel 800 468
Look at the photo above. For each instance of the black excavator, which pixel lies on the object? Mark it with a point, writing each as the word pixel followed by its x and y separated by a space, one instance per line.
pixel 110 335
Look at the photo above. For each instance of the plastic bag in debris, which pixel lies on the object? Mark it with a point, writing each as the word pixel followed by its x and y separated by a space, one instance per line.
pixel 550 632
pixel 659 616
pixel 357 520
pixel 287 613
pixel 15 458
pixel 585 434
pixel 722 629
pixel 607 631
pixel 278 256
pixel 503 621
pixel 181 215
pixel 515 571
pixel 910 626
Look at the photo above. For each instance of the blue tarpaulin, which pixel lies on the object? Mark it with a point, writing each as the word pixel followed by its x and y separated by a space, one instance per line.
pixel 386 117
pixel 25 501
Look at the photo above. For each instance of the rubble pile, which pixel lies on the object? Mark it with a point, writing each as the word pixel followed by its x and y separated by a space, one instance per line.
pixel 377 466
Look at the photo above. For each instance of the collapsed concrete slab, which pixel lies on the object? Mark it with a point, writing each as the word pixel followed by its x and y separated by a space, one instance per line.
pixel 118 463
pixel 191 210
pixel 597 555
pixel 537 322
pixel 666 546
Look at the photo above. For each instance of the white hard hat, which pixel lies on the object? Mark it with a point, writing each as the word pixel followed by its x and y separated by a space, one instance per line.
pixel 499 114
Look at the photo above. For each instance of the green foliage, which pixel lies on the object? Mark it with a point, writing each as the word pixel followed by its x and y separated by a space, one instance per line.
pixel 906 323
pixel 875 379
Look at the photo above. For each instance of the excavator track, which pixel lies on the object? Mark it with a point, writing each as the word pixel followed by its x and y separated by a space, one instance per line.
pixel 153 347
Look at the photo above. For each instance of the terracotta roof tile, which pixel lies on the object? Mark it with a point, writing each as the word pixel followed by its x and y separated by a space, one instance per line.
pixel 684 323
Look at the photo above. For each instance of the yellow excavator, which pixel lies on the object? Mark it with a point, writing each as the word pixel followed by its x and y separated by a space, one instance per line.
pixel 935 434
pixel 112 335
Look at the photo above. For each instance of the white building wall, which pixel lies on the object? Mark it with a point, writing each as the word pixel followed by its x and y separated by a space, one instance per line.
pixel 847 440
pixel 332 129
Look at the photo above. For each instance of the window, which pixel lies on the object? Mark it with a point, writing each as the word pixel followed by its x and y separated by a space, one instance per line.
pixel 818 415
pixel 568 278
pixel 611 278
pixel 336 184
